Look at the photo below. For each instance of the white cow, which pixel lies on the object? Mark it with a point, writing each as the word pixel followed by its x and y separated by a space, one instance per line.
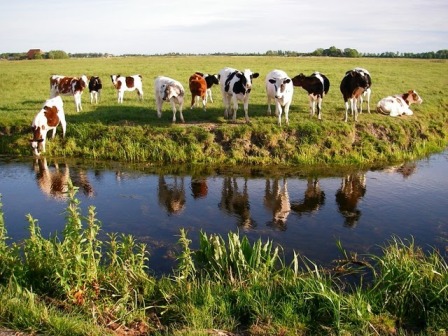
pixel 169 90
pixel 236 86
pixel 48 118
pixel 398 105
pixel 279 87
pixel 128 83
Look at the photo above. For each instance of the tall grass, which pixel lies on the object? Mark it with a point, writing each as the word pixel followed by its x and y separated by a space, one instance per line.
pixel 76 284
pixel 132 132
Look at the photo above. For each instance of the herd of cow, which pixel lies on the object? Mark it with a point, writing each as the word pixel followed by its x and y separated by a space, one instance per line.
pixel 235 86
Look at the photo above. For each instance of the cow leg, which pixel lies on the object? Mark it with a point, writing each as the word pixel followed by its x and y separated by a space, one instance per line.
pixel 180 112
pixel 346 110
pixel 204 102
pixel 368 92
pixel 319 108
pixel 91 97
pixel 268 112
pixel 354 108
pixel 140 94
pixel 278 112
pixel 120 96
pixel 311 103
pixel 209 95
pixel 226 104
pixel 193 99
pixel 246 109
pixel 234 108
pixel 159 103
pixel 287 113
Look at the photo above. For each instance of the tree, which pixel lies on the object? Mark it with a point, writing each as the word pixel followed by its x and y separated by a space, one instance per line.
pixel 57 54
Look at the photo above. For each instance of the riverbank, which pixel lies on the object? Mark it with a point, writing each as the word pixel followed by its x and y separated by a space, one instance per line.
pixel 132 132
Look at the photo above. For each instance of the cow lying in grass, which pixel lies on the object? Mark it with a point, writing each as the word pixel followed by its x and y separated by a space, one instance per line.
pixel 398 105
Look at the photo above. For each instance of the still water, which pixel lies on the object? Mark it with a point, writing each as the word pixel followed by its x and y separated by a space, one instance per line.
pixel 306 214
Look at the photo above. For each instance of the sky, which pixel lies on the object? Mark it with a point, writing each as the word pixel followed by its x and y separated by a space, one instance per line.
pixel 205 26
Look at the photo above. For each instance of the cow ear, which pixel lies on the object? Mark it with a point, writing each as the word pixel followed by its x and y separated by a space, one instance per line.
pixel 255 75
pixel 272 81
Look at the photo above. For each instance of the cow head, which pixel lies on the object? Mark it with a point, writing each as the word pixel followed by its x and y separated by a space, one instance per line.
pixel 38 138
pixel 298 80
pixel 279 86
pixel 249 75
pixel 168 91
pixel 412 97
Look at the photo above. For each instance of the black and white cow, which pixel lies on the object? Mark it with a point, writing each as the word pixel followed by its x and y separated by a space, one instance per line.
pixel 95 87
pixel 367 92
pixel 210 80
pixel 353 85
pixel 317 86
pixel 236 86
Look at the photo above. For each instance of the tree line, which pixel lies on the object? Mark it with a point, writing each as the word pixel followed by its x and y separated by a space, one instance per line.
pixel 329 52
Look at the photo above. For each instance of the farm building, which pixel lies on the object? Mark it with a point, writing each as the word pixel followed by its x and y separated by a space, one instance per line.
pixel 32 52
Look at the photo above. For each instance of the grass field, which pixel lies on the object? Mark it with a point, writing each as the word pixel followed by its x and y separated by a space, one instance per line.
pixel 25 86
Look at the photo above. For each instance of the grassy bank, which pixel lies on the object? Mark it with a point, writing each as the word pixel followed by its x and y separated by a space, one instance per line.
pixel 80 285
pixel 132 132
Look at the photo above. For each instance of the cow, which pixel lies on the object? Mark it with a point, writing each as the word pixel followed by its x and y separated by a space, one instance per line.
pixel 127 83
pixel 68 86
pixel 210 80
pixel 48 118
pixel 353 85
pixel 95 87
pixel 317 86
pixel 279 87
pixel 368 92
pixel 398 105
pixel 169 90
pixel 198 88
pixel 236 85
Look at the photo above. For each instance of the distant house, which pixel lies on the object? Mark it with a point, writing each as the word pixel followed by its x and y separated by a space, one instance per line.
pixel 32 52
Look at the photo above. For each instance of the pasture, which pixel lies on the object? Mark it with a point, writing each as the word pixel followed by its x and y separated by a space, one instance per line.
pixel 132 132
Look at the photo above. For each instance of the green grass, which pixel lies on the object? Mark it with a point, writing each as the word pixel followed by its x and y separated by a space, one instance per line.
pixel 80 285
pixel 132 132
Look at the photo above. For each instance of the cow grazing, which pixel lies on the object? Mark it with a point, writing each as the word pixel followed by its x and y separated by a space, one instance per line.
pixel 95 87
pixel 398 105
pixel 317 86
pixel 236 86
pixel 68 86
pixel 48 118
pixel 198 88
pixel 127 83
pixel 353 85
pixel 210 80
pixel 169 90
pixel 279 87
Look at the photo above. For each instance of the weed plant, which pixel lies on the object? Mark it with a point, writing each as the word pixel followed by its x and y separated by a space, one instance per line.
pixel 76 284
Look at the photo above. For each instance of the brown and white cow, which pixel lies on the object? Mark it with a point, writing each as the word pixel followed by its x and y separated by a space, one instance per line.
pixel 210 80
pixel 398 105
pixel 127 83
pixel 68 86
pixel 48 118
pixel 198 88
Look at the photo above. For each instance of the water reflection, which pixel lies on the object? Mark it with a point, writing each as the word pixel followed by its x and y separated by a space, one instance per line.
pixel 52 182
pixel 353 188
pixel 313 198
pixel 236 202
pixel 171 194
pixel 276 199
pixel 199 188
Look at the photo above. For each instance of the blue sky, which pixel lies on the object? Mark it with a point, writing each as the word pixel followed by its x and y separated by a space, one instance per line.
pixel 204 26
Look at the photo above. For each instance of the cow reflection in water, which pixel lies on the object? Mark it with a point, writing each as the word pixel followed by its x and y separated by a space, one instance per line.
pixel 313 198
pixel 172 194
pixel 52 182
pixel 353 188
pixel 276 198
pixel 199 188
pixel 234 201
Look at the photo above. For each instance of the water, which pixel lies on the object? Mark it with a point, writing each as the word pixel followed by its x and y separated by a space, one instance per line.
pixel 306 214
